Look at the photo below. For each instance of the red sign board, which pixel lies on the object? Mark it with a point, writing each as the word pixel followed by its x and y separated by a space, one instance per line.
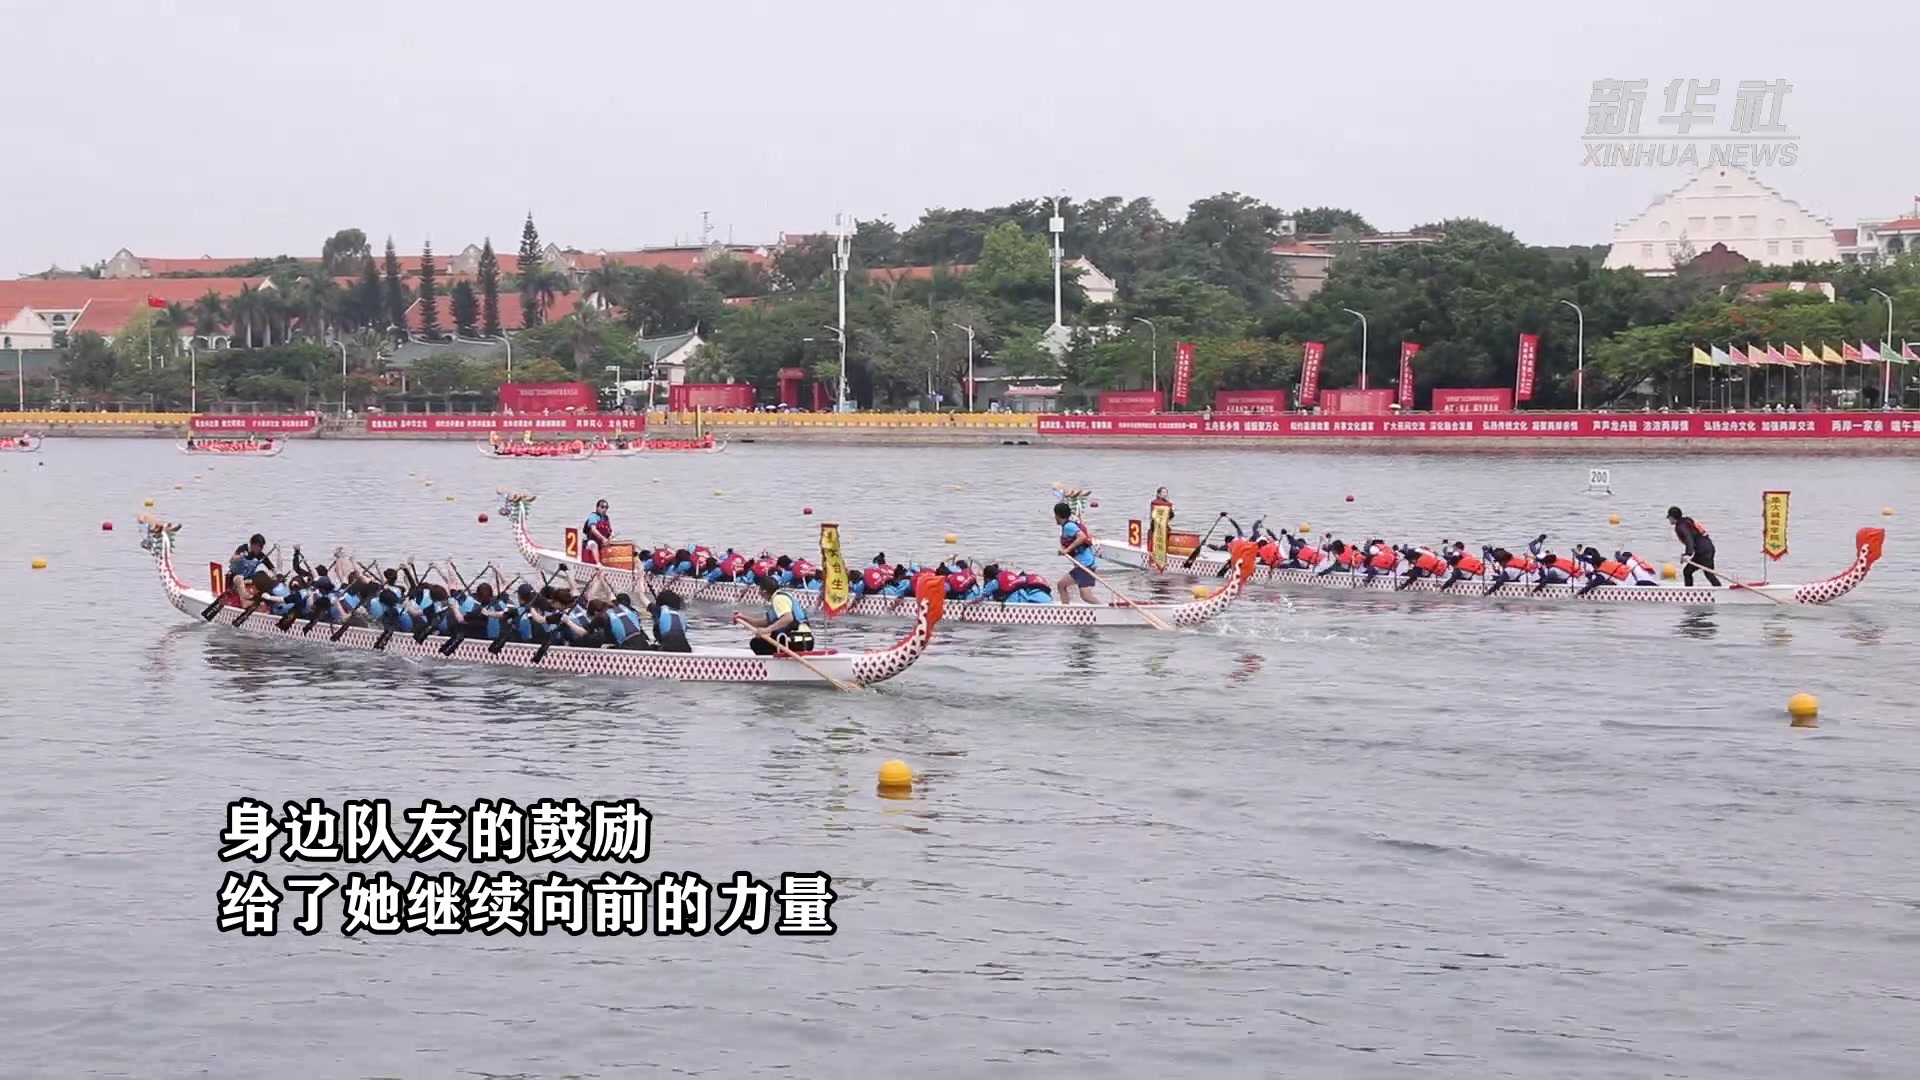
pixel 1408 350
pixel 1182 371
pixel 1524 372
pixel 482 422
pixel 687 397
pixel 1852 427
pixel 1356 402
pixel 1310 356
pixel 1471 401
pixel 249 422
pixel 548 397
pixel 1130 401
pixel 1250 402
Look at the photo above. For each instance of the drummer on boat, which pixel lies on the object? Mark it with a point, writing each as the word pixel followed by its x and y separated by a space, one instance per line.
pixel 785 622
pixel 596 533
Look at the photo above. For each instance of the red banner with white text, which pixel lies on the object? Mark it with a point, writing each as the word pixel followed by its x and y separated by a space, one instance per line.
pixel 250 422
pixel 1524 371
pixel 1182 371
pixel 1862 427
pixel 1310 356
pixel 1250 402
pixel 483 422
pixel 1474 400
pixel 1408 349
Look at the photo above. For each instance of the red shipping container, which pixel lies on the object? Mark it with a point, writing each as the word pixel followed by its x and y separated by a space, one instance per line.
pixel 1357 402
pixel 1250 402
pixel 1131 401
pixel 687 397
pixel 548 397
pixel 1483 400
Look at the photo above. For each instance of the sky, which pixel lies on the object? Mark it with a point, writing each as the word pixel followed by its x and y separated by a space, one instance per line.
pixel 183 128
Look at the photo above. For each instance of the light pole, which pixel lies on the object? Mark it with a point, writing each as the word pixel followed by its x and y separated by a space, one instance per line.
pixel 842 251
pixel 1579 359
pixel 1363 344
pixel 1153 350
pixel 193 378
pixel 343 378
pixel 931 364
pixel 1886 368
pixel 969 331
pixel 618 389
pixel 20 375
pixel 508 342
pixel 841 335
pixel 1056 225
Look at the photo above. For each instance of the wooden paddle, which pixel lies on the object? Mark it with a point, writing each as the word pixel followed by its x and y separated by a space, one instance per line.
pixel 1187 564
pixel 1153 620
pixel 794 656
pixel 1732 584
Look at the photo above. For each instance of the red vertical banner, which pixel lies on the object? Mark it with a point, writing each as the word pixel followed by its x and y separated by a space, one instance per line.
pixel 1310 356
pixel 1408 349
pixel 1182 371
pixel 1523 375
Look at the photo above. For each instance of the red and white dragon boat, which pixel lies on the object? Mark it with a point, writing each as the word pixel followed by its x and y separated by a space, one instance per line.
pixel 21 444
pixel 638 447
pixel 701 665
pixel 234 447
pixel 1867 544
pixel 693 590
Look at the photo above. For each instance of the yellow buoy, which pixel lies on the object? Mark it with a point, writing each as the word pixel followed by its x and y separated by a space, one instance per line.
pixel 896 774
pixel 429 483
pixel 1306 527
pixel 1669 571
pixel 41 564
pixel 952 539
pixel 449 498
pixel 1613 519
pixel 959 487
pixel 179 487
pixel 1803 707
pixel 1886 511
pixel 1200 592
pixel 149 502
pixel 197 476
pixel 717 491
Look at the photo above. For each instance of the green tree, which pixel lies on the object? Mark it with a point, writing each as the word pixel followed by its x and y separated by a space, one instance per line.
pixel 396 290
pixel 209 313
pixel 804 265
pixel 1227 240
pixel 1322 220
pixel 368 304
pixel 660 301
pixel 429 295
pixel 466 309
pixel 532 281
pixel 732 277
pixel 489 290
pixel 344 251
pixel 439 374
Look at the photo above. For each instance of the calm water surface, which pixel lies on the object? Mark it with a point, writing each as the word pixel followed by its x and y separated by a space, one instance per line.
pixel 1331 836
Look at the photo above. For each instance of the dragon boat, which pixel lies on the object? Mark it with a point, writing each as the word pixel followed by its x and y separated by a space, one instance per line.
pixel 234 447
pixel 21 444
pixel 1867 544
pixel 637 447
pixel 498 450
pixel 820 668
pixel 694 590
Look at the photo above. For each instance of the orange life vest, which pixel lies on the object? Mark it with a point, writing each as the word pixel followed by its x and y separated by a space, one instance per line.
pixel 1431 563
pixel 1352 557
pixel 1270 553
pixel 1522 564
pixel 1615 570
pixel 1309 556
pixel 1637 561
pixel 1386 560
pixel 1470 564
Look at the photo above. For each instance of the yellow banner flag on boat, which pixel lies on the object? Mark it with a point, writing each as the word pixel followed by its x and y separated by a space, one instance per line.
pixel 1161 514
pixel 1773 524
pixel 836 592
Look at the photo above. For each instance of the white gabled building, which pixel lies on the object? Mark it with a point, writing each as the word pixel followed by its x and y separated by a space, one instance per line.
pixel 1722 205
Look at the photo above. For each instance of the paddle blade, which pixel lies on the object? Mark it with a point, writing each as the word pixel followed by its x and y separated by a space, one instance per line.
pixel 932 592
pixel 1870 541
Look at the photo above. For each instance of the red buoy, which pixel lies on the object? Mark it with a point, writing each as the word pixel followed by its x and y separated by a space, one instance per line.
pixel 806 509
pixel 106 526
pixel 1349 498
pixel 1095 504
pixel 483 519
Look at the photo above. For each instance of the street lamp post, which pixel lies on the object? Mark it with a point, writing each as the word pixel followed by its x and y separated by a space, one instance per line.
pixel 1886 368
pixel 1153 350
pixel 1579 359
pixel 969 331
pixel 841 253
pixel 20 375
pixel 1363 344
pixel 508 342
pixel 840 335
pixel 193 378
pixel 343 378
pixel 933 363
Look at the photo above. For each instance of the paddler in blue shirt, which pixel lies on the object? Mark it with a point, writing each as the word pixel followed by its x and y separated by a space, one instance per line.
pixel 1076 544
pixel 248 559
pixel 595 534
pixel 669 626
pixel 785 621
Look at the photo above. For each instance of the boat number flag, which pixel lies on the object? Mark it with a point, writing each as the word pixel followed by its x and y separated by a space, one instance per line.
pixel 1773 524
pixel 836 592
pixel 217 578
pixel 1310 356
pixel 1182 371
pixel 1408 349
pixel 1161 517
pixel 1523 374
pixel 573 543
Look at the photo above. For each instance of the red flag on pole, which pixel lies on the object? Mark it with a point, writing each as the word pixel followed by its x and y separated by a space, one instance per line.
pixel 1310 356
pixel 1407 351
pixel 1523 376
pixel 156 302
pixel 1182 371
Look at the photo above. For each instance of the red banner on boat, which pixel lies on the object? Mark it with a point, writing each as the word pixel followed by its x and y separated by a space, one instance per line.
pixel 1472 400
pixel 1182 371
pixel 548 397
pixel 1408 349
pixel 1524 371
pixel 1310 356
pixel 1250 402
pixel 249 422
pixel 1356 402
pixel 1704 427
pixel 1129 401
pixel 483 422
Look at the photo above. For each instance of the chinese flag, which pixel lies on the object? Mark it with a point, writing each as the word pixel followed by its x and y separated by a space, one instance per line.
pixel 154 301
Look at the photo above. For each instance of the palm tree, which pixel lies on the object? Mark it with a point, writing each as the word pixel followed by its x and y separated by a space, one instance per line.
pixel 605 282
pixel 584 330
pixel 541 285
pixel 247 311
pixel 209 314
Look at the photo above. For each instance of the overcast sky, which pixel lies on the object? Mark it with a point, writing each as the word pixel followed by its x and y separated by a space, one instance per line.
pixel 212 127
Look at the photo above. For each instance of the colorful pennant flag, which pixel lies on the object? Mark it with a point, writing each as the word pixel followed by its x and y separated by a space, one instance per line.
pixel 1868 353
pixel 1775 356
pixel 1828 356
pixel 1848 352
pixel 1720 357
pixel 1907 355
pixel 1793 355
pixel 1700 357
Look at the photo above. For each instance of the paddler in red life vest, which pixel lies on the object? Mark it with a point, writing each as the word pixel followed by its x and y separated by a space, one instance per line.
pixel 1461 566
pixel 961 583
pixel 1601 570
pixel 1505 567
pixel 595 534
pixel 1422 563
pixel 875 578
pixel 1639 570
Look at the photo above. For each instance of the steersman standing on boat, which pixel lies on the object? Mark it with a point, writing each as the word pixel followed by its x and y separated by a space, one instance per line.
pixel 785 622
pixel 1076 544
